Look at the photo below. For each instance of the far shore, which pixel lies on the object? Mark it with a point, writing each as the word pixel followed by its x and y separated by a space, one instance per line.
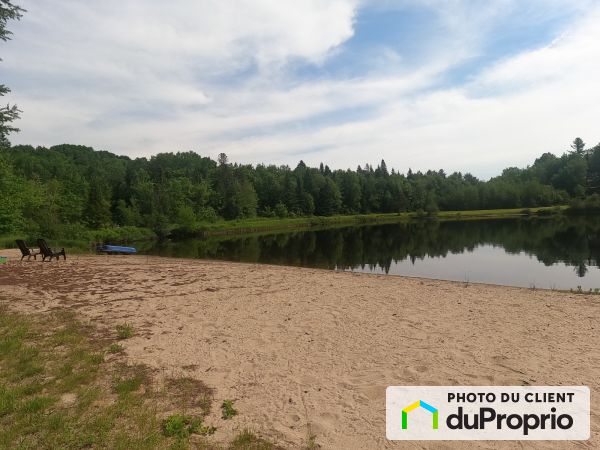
pixel 259 225
pixel 264 224
pixel 308 351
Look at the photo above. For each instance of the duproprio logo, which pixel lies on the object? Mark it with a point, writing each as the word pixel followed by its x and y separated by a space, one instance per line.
pixel 488 413
pixel 421 404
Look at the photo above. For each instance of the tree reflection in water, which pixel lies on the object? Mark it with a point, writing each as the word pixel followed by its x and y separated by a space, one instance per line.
pixel 572 240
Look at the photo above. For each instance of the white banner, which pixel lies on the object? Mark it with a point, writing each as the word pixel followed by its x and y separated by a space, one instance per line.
pixel 488 413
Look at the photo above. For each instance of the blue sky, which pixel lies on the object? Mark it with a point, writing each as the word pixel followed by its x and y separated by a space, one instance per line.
pixel 457 84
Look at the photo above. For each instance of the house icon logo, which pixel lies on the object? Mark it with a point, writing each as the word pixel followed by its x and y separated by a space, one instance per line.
pixel 415 405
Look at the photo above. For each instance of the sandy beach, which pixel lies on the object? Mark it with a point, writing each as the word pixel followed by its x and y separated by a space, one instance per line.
pixel 311 351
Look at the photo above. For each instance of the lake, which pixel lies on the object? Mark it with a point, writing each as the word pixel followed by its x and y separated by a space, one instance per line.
pixel 543 252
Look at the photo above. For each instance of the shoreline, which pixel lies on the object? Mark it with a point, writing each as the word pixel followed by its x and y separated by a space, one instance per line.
pixel 263 225
pixel 14 255
pixel 301 348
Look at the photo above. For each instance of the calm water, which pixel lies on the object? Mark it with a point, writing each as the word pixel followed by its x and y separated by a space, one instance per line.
pixel 558 253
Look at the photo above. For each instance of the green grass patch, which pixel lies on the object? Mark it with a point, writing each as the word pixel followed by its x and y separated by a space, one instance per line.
pixel 580 290
pixel 116 348
pixel 130 378
pixel 54 391
pixel 124 331
pixel 189 394
pixel 180 426
pixel 247 440
pixel 58 391
pixel 258 224
pixel 79 239
pixel 9 240
pixel 128 385
pixel 227 409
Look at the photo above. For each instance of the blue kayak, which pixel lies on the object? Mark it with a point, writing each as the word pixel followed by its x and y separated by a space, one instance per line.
pixel 115 249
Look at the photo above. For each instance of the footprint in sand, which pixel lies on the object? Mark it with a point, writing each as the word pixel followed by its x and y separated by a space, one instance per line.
pixel 293 419
pixel 422 368
pixel 325 424
pixel 409 371
pixel 371 393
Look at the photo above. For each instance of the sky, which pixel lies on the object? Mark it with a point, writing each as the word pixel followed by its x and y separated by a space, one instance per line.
pixel 464 85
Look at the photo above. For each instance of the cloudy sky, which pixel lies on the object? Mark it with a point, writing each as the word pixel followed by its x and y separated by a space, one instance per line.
pixel 465 85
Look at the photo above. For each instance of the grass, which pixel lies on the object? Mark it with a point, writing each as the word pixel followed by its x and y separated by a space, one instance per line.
pixel 253 225
pixel 579 290
pixel 53 392
pixel 228 410
pixel 116 348
pixel 180 426
pixel 247 440
pixel 190 394
pixel 59 389
pixel 78 239
pixel 8 241
pixel 124 331
pixel 128 379
pixel 311 443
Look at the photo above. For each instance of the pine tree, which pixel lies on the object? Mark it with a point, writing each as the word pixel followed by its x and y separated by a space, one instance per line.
pixel 578 146
pixel 383 168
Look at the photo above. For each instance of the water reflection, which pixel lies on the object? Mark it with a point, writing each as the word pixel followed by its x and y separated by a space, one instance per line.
pixel 549 252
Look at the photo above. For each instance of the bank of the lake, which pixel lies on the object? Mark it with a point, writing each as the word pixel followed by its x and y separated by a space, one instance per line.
pixel 310 352
pixel 79 239
pixel 262 224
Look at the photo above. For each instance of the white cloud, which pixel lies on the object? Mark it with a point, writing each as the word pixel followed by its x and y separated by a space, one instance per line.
pixel 572 55
pixel 139 77
pixel 129 37
pixel 534 102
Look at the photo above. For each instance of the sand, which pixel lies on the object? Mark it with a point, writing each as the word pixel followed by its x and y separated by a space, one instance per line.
pixel 306 349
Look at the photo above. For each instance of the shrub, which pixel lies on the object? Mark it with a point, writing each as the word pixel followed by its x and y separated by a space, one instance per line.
pixel 280 210
pixel 115 348
pixel 228 410
pixel 124 331
pixel 180 426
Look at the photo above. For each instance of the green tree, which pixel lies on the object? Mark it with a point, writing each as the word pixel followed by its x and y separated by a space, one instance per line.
pixel 126 215
pixel 351 191
pixel 10 212
pixel 431 207
pixel 186 218
pixel 594 169
pixel 98 207
pixel 330 199
pixel 52 191
pixel 280 210
pixel 307 203
pixel 572 175
pixel 578 146
pixel 8 113
pixel 246 201
pixel 382 169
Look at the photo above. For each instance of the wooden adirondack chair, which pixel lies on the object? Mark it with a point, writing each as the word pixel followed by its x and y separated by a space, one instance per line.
pixel 47 251
pixel 26 250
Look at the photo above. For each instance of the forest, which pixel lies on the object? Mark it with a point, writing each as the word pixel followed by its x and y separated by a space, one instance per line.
pixel 65 190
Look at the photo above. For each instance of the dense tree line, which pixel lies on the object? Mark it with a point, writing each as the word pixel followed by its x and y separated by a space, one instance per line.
pixel 53 190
